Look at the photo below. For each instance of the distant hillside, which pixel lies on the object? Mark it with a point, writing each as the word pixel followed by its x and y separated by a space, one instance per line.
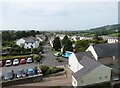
pixel 108 29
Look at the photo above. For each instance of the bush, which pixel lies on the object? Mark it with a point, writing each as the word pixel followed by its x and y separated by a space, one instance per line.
pixel 59 60
pixel 44 69
pixel 37 57
pixel 47 70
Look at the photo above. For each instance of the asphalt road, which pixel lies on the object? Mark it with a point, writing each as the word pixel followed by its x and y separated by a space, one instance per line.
pixel 48 60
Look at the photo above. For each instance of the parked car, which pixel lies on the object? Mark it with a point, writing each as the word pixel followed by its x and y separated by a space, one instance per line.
pixel 9 75
pixel 30 72
pixel 41 52
pixel 29 60
pixel 67 54
pixel 20 73
pixel 116 78
pixel 15 61
pixel 57 54
pixel 8 63
pixel 23 61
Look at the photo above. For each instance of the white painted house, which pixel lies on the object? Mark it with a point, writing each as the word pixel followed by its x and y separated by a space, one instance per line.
pixel 112 40
pixel 105 53
pixel 73 61
pixel 51 41
pixel 86 70
pixel 29 42
pixel 91 73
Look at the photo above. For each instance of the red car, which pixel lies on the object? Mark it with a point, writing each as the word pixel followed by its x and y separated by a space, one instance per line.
pixel 23 61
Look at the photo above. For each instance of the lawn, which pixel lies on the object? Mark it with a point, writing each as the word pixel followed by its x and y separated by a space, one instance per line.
pixel 114 34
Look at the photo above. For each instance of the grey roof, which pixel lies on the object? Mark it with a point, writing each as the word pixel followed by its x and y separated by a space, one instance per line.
pixel 29 40
pixel 79 55
pixel 107 50
pixel 89 65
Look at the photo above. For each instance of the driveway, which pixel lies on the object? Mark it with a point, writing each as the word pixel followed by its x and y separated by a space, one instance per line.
pixel 49 58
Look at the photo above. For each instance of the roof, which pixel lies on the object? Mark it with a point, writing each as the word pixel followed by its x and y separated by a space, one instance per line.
pixel 30 40
pixel 80 55
pixel 88 66
pixel 107 50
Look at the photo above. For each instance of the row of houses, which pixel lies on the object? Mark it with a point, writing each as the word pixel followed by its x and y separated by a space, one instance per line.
pixel 78 38
pixel 94 65
pixel 110 39
pixel 30 42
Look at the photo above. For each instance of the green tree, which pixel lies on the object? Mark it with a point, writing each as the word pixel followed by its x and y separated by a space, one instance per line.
pixel 57 44
pixel 64 40
pixel 67 44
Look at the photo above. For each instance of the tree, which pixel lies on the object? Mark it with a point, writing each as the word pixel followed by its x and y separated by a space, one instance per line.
pixel 57 44
pixel 64 40
pixel 67 44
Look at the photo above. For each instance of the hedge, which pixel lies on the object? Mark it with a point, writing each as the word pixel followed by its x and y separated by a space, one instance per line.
pixel 50 70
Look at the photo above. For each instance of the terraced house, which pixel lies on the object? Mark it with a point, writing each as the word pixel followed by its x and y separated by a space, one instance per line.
pixel 30 42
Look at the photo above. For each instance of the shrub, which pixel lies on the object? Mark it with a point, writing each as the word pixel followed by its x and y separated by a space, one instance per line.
pixel 47 70
pixel 59 60
pixel 44 69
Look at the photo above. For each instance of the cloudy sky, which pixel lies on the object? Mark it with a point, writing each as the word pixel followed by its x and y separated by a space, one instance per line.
pixel 57 14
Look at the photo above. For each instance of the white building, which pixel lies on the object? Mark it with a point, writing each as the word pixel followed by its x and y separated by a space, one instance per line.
pixel 105 53
pixel 51 41
pixel 41 39
pixel 86 70
pixel 91 73
pixel 112 40
pixel 73 61
pixel 77 38
pixel 30 42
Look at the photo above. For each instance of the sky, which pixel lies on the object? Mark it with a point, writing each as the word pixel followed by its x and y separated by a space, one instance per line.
pixel 48 15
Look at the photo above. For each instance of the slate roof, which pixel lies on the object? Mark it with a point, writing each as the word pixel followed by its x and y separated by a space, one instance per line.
pixel 107 50
pixel 29 40
pixel 89 65
pixel 79 55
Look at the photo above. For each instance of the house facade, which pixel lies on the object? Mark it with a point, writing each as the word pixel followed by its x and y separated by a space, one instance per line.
pixel 105 53
pixel 87 70
pixel 100 74
pixel 73 61
pixel 28 42
pixel 112 40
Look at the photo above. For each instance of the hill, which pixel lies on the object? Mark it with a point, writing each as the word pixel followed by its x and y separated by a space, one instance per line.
pixel 105 30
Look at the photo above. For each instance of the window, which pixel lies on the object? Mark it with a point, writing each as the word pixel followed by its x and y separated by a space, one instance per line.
pixel 105 76
pixel 100 78
pixel 75 82
pixel 81 81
